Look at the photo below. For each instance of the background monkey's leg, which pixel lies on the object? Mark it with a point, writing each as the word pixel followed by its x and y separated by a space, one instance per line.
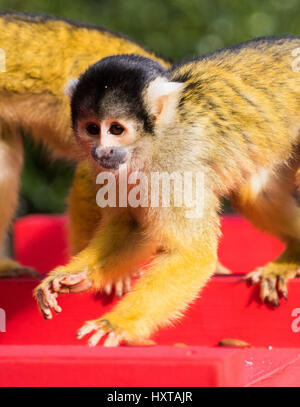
pixel 11 163
pixel 275 211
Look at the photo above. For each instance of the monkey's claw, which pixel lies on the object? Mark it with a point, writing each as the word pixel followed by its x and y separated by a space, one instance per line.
pixel 272 280
pixel 103 327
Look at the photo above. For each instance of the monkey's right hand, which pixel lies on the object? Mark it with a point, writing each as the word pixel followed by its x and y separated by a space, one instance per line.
pixel 59 282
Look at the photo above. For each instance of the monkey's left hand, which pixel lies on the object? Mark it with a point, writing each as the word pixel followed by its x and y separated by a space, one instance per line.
pixel 59 283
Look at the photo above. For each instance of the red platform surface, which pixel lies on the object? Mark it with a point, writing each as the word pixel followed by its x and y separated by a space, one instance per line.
pixel 35 352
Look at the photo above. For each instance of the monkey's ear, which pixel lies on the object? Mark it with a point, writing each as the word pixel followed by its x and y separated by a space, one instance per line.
pixel 162 97
pixel 70 87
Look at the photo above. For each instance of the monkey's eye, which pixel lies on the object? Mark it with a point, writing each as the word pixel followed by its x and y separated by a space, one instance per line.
pixel 116 129
pixel 93 129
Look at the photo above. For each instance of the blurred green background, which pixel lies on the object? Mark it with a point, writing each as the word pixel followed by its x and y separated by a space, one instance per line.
pixel 174 28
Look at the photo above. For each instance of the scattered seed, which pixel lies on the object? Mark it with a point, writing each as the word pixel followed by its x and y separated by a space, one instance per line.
pixel 234 343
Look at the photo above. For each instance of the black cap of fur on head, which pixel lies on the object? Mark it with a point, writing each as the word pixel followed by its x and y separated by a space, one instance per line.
pixel 114 86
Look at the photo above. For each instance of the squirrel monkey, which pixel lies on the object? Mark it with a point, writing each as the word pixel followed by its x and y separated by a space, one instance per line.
pixel 232 116
pixel 41 54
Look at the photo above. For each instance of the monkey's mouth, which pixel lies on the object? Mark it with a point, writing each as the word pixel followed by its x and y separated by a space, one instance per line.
pixel 110 164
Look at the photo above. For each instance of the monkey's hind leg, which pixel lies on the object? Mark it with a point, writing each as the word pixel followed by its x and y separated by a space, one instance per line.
pixel 275 211
pixel 11 162
pixel 273 277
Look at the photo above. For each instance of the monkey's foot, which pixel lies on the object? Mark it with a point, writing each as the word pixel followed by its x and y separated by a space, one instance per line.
pixel 102 327
pixel 273 279
pixel 122 285
pixel 114 335
pixel 12 269
pixel 59 283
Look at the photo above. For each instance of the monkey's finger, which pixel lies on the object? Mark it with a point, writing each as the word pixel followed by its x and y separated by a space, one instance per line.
pixel 108 288
pixel 119 288
pixel 76 282
pixel 72 284
pixel 273 298
pixel 253 277
pixel 73 279
pixel 282 287
pixel 48 298
pixel 43 306
pixel 54 304
pixel 83 285
pixel 86 329
pixel 268 292
pixel 93 341
pixel 56 284
pixel 263 292
pixel 51 300
pixel 113 340
pixel 127 284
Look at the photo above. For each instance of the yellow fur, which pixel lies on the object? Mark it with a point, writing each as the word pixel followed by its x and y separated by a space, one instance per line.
pixel 41 56
pixel 246 103
pixel 83 211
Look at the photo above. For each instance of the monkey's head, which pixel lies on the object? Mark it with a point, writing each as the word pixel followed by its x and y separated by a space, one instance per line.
pixel 116 106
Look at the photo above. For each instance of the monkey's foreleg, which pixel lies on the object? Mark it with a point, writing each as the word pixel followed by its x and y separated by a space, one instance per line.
pixel 159 297
pixel 116 249
pixel 84 216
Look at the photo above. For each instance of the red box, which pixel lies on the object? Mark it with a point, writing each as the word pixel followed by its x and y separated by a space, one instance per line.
pixel 35 352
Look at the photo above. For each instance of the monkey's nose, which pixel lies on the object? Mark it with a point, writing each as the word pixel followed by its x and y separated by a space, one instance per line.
pixel 110 157
pixel 101 153
pixel 110 153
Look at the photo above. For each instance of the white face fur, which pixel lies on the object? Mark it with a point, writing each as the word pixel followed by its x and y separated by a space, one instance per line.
pixel 114 136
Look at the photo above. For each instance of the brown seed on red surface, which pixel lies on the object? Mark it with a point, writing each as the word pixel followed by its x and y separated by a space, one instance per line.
pixel 234 343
